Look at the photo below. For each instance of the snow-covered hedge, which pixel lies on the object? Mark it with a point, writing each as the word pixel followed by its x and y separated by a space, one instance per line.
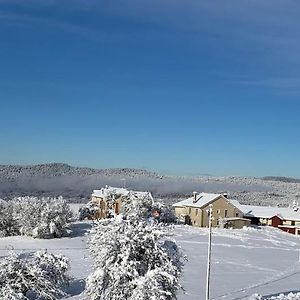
pixel 43 275
pixel 290 296
pixel 37 217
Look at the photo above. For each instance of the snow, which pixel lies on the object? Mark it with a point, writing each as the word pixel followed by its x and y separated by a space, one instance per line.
pixel 202 199
pixel 108 190
pixel 74 247
pixel 105 192
pixel 285 213
pixel 244 262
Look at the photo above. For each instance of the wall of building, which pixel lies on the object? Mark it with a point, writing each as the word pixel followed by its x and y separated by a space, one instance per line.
pixel 291 223
pixel 101 203
pixel 237 224
pixel 276 221
pixel 180 212
pixel 195 215
pixel 103 206
pixel 219 206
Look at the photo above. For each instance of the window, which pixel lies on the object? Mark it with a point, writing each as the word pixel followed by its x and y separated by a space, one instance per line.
pixel 236 214
pixel 190 211
pixel 218 211
pixel 225 213
pixel 218 222
pixel 293 223
pixel 196 211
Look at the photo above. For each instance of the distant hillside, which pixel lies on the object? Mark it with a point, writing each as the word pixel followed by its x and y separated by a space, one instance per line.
pixel 282 179
pixel 76 184
pixel 56 179
pixel 61 169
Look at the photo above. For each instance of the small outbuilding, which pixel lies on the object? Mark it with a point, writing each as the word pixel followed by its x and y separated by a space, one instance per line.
pixel 235 223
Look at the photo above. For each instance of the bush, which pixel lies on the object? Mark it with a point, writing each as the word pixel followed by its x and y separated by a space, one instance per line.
pixel 88 211
pixel 43 275
pixel 132 261
pixel 40 218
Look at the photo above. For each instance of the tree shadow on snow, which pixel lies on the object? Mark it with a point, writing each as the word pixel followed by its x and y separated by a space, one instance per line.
pixel 76 287
pixel 79 229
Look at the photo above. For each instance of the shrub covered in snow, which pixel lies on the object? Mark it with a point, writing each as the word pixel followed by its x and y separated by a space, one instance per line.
pixel 41 218
pixel 133 260
pixel 7 293
pixel 145 207
pixel 43 275
pixel 8 225
pixel 165 213
pixel 290 296
pixel 88 211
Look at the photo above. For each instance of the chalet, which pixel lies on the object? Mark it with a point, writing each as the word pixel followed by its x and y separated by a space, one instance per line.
pixel 194 210
pixel 109 199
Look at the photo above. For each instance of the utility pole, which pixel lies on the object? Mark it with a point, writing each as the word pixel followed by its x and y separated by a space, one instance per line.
pixel 208 253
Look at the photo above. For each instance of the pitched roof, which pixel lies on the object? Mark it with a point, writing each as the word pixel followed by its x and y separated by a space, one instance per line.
pixel 108 190
pixel 266 212
pixel 202 199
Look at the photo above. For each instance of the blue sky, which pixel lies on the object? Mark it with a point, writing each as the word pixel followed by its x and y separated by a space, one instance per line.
pixel 180 87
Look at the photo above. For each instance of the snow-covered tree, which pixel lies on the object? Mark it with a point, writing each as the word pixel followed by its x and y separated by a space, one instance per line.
pixel 41 217
pixel 165 213
pixel 7 293
pixel 134 260
pixel 43 275
pixel 88 211
pixel 8 225
pixel 290 296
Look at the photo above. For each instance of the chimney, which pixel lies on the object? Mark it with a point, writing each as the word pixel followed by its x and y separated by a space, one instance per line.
pixel 194 197
pixel 225 195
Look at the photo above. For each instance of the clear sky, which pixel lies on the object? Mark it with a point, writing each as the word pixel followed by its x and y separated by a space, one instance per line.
pixel 180 87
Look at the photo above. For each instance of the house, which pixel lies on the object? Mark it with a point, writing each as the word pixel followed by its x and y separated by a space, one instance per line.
pixel 284 218
pixel 194 210
pixel 109 200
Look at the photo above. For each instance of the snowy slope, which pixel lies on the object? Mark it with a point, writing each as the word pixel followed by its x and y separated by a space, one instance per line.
pixel 245 262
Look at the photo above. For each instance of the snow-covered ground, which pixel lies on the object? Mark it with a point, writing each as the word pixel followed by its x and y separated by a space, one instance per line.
pixel 74 247
pixel 244 262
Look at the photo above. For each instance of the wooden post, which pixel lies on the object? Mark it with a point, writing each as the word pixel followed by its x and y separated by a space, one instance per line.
pixel 209 253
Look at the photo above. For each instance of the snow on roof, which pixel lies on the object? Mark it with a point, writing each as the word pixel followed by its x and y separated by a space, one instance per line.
pixel 266 212
pixel 139 194
pixel 236 219
pixel 108 190
pixel 202 199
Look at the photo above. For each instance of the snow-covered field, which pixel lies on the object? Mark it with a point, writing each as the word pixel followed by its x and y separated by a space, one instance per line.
pixel 74 247
pixel 244 262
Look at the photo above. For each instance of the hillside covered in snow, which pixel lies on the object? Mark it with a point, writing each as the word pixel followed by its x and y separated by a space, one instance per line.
pixel 76 184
